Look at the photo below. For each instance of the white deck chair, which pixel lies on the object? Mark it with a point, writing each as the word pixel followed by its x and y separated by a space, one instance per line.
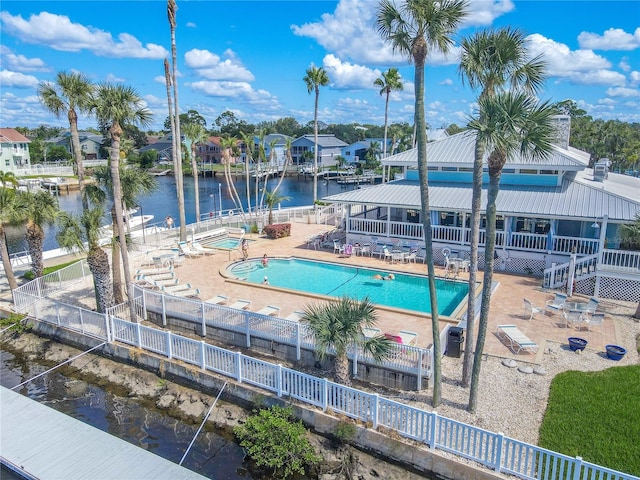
pixel 555 305
pixel 188 251
pixel 200 249
pixel 408 338
pixel 270 311
pixel 593 320
pixel 516 340
pixel 218 300
pixel 241 304
pixel 370 332
pixel 531 310
pixel 296 316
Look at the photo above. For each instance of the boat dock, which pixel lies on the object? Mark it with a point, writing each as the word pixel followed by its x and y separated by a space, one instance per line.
pixel 40 442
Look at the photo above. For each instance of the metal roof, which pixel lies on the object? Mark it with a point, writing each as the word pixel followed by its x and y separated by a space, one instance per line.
pixel 577 197
pixel 459 150
pixel 46 443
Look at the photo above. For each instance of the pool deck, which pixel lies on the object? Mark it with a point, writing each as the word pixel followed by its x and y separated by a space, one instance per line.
pixel 507 306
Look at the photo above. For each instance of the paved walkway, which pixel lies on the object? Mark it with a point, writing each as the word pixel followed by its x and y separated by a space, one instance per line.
pixel 507 306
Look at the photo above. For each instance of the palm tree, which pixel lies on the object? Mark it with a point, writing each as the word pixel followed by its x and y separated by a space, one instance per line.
pixel 247 139
pixel 631 237
pixel 83 233
pixel 507 124
pixel 490 60
pixel 71 93
pixel 388 82
pixel 8 179
pixel 36 210
pixel 420 26
pixel 229 145
pixel 287 161
pixel 315 78
pixel 177 138
pixel 195 133
pixel 338 325
pixel 271 199
pixel 118 105
pixel 7 217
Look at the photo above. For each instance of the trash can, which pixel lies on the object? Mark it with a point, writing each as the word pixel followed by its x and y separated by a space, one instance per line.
pixel 454 342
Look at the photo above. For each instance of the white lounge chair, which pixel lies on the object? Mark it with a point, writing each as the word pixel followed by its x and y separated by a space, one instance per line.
pixel 555 305
pixel 531 310
pixel 593 320
pixel 172 289
pixel 218 300
pixel 516 340
pixel 269 310
pixel 241 305
pixel 370 332
pixel 188 251
pixel 200 249
pixel 191 292
pixel 295 316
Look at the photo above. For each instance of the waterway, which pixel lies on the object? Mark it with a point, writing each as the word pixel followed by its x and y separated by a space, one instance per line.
pixel 214 197
pixel 111 410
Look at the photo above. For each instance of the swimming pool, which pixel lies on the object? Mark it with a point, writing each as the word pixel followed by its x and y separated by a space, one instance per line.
pixel 406 291
pixel 227 243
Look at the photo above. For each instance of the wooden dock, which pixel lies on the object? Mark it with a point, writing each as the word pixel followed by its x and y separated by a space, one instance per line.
pixel 40 442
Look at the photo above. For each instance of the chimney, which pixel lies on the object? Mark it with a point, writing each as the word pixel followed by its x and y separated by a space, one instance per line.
pixel 563 130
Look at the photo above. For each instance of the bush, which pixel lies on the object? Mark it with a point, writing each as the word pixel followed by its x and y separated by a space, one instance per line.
pixel 278 230
pixel 345 431
pixel 274 439
pixel 14 323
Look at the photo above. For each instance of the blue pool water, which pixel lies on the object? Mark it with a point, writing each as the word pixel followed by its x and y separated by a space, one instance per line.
pixel 228 243
pixel 406 291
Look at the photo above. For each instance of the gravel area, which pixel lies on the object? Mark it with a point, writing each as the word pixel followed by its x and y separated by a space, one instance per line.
pixel 513 402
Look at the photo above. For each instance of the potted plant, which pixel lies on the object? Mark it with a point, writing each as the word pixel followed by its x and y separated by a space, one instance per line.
pixel 615 352
pixel 577 343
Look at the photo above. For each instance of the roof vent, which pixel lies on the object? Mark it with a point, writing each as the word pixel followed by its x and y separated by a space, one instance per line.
pixel 601 169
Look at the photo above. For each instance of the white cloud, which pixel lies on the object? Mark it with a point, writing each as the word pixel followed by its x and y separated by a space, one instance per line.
pixel 623 92
pixel 634 77
pixel 60 33
pixel 112 78
pixel 191 25
pixel 21 63
pixel 210 66
pixel 612 39
pixel 344 75
pixel 446 82
pixel 17 80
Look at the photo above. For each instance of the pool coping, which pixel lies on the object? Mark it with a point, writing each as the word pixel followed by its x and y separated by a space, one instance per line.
pixel 453 319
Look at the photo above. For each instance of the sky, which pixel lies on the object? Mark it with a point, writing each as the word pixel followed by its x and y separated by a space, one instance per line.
pixel 250 57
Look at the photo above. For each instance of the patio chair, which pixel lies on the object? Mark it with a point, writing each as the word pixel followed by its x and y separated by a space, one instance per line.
pixel 556 304
pixel 573 318
pixel 218 300
pixel 241 304
pixel 295 316
pixel 515 340
pixel 593 320
pixel 338 247
pixel 592 306
pixel 530 310
pixel 188 251
pixel 370 332
pixel 270 311
pixel 200 249
pixel 408 338
pixel 386 255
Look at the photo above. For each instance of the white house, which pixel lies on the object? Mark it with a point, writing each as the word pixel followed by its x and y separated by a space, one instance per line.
pixel 15 150
pixel 329 147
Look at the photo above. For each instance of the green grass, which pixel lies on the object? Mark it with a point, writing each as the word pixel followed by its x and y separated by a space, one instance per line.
pixel 29 275
pixel 596 415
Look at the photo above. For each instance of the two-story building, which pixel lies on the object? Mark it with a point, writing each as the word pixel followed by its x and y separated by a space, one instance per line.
pixel 90 143
pixel 14 155
pixel 329 147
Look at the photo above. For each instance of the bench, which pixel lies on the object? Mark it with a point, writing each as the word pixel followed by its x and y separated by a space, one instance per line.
pixel 516 340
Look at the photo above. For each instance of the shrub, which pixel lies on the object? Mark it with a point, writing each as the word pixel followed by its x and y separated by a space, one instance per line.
pixel 345 431
pixel 274 439
pixel 14 322
pixel 278 230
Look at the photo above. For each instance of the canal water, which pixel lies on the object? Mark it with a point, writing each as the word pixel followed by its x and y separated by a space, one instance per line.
pixel 213 193
pixel 112 411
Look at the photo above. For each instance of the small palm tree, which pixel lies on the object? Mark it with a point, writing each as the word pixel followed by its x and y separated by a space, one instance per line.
pixel 338 325
pixel 115 106
pixel 71 93
pixel 272 198
pixel 315 78
pixel 388 82
pixel 83 233
pixel 36 210
pixel 195 133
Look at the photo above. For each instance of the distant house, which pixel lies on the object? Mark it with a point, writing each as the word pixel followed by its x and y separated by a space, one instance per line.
pixel 163 147
pixel 209 151
pixel 356 152
pixel 329 147
pixel 276 158
pixel 15 150
pixel 90 143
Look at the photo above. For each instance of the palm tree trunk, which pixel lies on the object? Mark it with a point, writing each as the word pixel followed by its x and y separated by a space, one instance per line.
pixel 178 138
pixel 490 247
pixel 194 168
pixel 177 159
pixel 342 369
pixel 77 153
pixel 115 263
pixel 247 181
pixel 476 199
pixel 98 262
pixel 315 152
pixel 35 240
pixel 386 120
pixel 6 261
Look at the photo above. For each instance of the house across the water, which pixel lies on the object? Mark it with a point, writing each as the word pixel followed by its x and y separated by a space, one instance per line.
pixel 546 210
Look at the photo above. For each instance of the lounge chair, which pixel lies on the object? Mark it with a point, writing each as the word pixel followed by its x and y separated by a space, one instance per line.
pixel 172 289
pixel 531 310
pixel 270 311
pixel 592 306
pixel 188 251
pixel 408 338
pixel 191 292
pixel 295 316
pixel 516 340
pixel 218 300
pixel 593 320
pixel 555 305
pixel 165 283
pixel 197 247
pixel 241 305
pixel 370 332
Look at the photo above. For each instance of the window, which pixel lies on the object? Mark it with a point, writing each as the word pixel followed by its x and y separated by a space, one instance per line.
pixel 449 169
pixel 528 171
pixel 465 169
pixel 432 169
pixel 508 170
pixel 548 172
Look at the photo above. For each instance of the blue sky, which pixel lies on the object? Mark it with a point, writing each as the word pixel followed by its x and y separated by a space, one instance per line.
pixel 251 57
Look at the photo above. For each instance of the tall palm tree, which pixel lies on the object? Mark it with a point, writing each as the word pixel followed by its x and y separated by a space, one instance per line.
pixel 491 60
pixel 36 210
pixel 195 133
pixel 271 163
pixel 247 139
pixel 338 326
pixel 177 137
pixel 83 233
pixel 271 198
pixel 414 29
pixel 507 124
pixel 315 78
pixel 229 145
pixel 71 93
pixel 115 106
pixel 8 216
pixel 388 82
pixel 287 161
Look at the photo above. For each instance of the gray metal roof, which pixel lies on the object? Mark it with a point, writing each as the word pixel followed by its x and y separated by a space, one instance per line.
pixel 324 140
pixel 49 444
pixel 459 150
pixel 579 197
